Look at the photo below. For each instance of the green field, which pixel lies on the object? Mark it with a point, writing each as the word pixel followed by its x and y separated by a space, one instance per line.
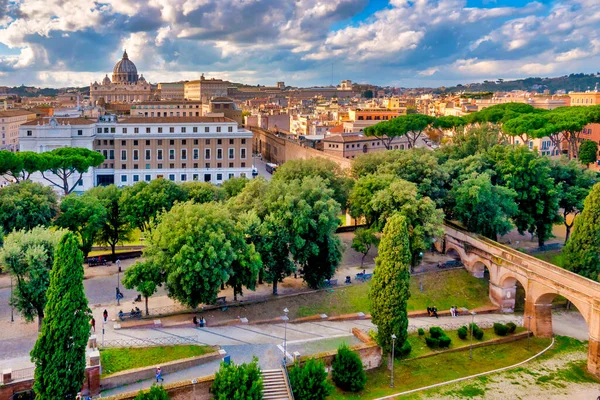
pixel 442 289
pixel 121 359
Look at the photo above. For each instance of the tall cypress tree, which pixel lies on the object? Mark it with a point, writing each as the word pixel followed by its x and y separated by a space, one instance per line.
pixel 389 291
pixel 59 353
pixel 582 252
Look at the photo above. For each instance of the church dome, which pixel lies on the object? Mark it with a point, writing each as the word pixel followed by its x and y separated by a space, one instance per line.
pixel 125 71
pixel 106 80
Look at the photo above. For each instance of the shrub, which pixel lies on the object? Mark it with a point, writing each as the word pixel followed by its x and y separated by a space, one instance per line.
pixel 421 332
pixel 347 370
pixel 432 343
pixel 436 332
pixel 405 349
pixel 478 333
pixel 309 381
pixel 463 332
pixel 444 341
pixel 155 393
pixel 511 327
pixel 500 329
pixel 242 381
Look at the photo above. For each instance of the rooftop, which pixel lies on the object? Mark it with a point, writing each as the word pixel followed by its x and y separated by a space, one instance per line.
pixel 14 113
pixel 167 120
pixel 60 121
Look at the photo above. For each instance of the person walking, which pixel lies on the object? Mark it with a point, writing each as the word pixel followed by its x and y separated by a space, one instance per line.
pixel 159 375
pixel 434 311
pixel 105 315
pixel 93 323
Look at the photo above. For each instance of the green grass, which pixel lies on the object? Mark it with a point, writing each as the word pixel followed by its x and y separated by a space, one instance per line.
pixel 95 253
pixel 442 289
pixel 121 359
pixel 414 374
pixel 553 257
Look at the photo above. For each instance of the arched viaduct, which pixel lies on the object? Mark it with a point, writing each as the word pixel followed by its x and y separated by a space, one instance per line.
pixel 542 282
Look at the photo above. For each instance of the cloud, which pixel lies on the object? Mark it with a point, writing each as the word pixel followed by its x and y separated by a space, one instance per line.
pixel 54 42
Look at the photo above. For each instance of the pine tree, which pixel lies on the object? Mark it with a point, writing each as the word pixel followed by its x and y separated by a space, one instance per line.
pixel 59 353
pixel 582 252
pixel 389 292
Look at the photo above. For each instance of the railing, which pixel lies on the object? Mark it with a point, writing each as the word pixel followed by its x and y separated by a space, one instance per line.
pixel 287 380
pixel 19 374
pixel 150 342
pixel 456 325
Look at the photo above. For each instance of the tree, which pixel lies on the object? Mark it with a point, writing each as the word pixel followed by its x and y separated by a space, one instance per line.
pixel 115 228
pixel 83 215
pixel 483 207
pixel 412 126
pixel 588 152
pixel 527 126
pixel 145 277
pixel 238 382
pixel 59 352
pixel 573 184
pixel 362 242
pixel 155 393
pixel 309 381
pixel 472 140
pixel 198 246
pixel 390 291
pixel 19 166
pixel 233 186
pixel 581 254
pixel 369 163
pixel 26 205
pixel 202 192
pixel 143 202
pixel 347 370
pixel 368 94
pixel 362 195
pixel 60 165
pixel 28 257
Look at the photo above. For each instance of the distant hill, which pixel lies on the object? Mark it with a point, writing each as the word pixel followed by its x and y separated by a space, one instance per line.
pixel 31 91
pixel 573 82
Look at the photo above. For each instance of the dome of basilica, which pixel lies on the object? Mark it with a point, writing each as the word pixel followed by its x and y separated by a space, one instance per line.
pixel 125 71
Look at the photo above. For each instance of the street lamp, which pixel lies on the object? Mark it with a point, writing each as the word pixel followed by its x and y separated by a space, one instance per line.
pixel 393 345
pixel 118 282
pixel 285 320
pixel 12 317
pixel 528 330
pixel 471 345
pixel 422 271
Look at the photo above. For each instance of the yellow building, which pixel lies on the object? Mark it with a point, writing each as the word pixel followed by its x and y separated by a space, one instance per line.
pixel 360 118
pixel 585 98
pixel 10 120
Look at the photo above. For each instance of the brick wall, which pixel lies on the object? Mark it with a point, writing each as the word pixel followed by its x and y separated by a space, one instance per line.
pixel 185 390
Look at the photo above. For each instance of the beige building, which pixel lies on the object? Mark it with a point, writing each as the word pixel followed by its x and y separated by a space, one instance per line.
pixel 585 98
pixel 167 109
pixel 222 107
pixel 204 89
pixel 171 91
pixel 360 118
pixel 126 85
pixel 350 145
pixel 10 120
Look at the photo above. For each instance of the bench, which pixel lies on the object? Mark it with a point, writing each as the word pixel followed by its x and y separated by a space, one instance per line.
pixel 363 277
pixel 330 282
pixel 129 315
pixel 221 300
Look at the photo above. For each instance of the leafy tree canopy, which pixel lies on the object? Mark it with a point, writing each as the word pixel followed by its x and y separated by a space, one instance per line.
pixel 26 205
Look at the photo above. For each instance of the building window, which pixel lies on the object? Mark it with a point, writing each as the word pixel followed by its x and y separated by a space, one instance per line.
pixel 159 142
pixel 231 175
pixel 147 143
pixel 219 141
pixel 183 129
pixel 207 154
pixel 195 128
pixel 183 165
pixel 195 142
pixel 206 129
pixel 171 166
pixel 135 166
pixel 105 130
pixel 79 132
pixel 159 154
pixel 195 154
pixel 171 154
pixel 219 154
pixel 136 155
pixel 219 177
pixel 123 155
pixel 183 142
pixel 230 129
pixel 99 130
pixel 184 154
pixel 231 154
pixel 29 133
pixel 171 143
pixel 159 166
pixel 148 154
pixel 243 153
pixel 230 165
pixel 147 178
pixel 183 177
pixel 219 165
pixel 230 141
pixel 136 178
pixel 207 177
pixel 160 129
pixel 195 165
pixel 243 141
pixel 123 143
pixel 243 165
pixel 148 130
pixel 207 141
pixel 172 177
pixel 124 178
pixel 147 166
pixel 171 129
pixel 195 177
pixel 123 166
pixel 136 130
pixel 111 154
pixel 218 129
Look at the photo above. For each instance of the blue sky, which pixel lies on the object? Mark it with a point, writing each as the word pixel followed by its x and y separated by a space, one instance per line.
pixel 396 42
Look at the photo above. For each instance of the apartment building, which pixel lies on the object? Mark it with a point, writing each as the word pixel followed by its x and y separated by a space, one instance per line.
pixel 360 118
pixel 350 145
pixel 585 98
pixel 177 108
pixel 10 120
pixel 181 149
pixel 204 89
pixel 171 91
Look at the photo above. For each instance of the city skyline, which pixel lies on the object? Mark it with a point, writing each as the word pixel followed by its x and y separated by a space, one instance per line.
pixel 398 43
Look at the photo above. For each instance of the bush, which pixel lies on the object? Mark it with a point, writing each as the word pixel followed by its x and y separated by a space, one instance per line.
pixel 238 381
pixel 155 393
pixel 309 381
pixel 347 370
pixel 444 341
pixel 405 349
pixel 478 333
pixel 421 332
pixel 511 327
pixel 432 343
pixel 463 332
pixel 500 329
pixel 436 332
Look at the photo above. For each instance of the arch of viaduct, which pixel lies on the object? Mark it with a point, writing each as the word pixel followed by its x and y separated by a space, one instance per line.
pixel 542 282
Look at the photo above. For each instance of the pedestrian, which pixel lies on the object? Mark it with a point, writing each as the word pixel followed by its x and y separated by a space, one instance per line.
pixel 105 315
pixel 202 322
pixel 434 311
pixel 195 321
pixel 159 375
pixel 93 323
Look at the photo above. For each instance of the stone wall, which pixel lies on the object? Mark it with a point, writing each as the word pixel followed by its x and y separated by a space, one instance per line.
pixel 186 390
pixel 369 353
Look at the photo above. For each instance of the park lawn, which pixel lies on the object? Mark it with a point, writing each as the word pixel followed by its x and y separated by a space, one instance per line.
pixel 553 257
pixel 442 289
pixel 412 374
pixel 121 359
pixel 95 253
pixel 419 347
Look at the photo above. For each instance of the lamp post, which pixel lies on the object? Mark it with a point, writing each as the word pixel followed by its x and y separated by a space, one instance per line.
pixel 118 282
pixel 528 330
pixel 471 345
pixel 285 320
pixel 12 317
pixel 422 272
pixel 393 345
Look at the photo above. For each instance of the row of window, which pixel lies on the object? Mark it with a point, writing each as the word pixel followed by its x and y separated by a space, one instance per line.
pixel 370 118
pixel 176 114
pixel 79 132
pixel 168 106
pixel 172 165
pixel 159 142
pixel 182 177
pixel 110 154
pixel 159 129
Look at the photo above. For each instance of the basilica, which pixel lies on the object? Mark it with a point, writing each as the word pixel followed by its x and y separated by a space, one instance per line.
pixel 126 85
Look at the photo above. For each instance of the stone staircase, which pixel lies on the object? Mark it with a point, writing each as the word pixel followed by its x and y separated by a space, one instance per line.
pixel 275 385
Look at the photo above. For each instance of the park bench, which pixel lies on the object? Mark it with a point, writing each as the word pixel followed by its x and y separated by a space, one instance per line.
pixel 330 282
pixel 363 277
pixel 93 261
pixel 130 315
pixel 450 264
pixel 221 300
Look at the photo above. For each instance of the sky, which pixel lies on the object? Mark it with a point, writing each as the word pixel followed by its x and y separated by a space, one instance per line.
pixel 409 43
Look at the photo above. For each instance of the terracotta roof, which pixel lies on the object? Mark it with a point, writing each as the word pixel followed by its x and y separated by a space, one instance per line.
pixel 176 102
pixel 14 113
pixel 61 121
pixel 337 129
pixel 168 120
pixel 348 138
